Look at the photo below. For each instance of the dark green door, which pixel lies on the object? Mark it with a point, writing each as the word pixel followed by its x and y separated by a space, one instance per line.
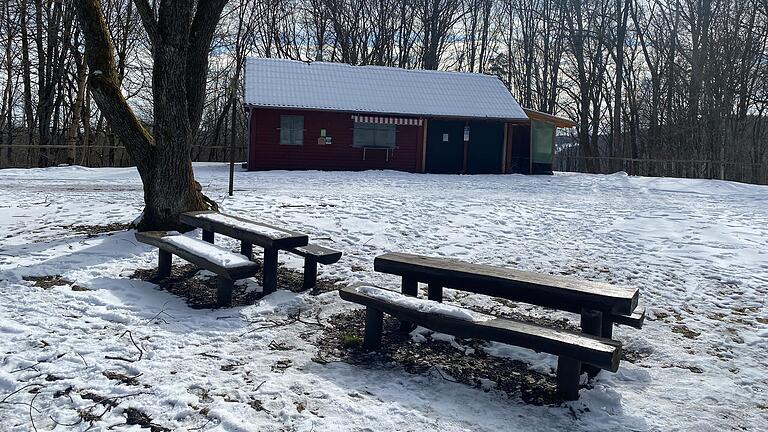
pixel 485 149
pixel 445 146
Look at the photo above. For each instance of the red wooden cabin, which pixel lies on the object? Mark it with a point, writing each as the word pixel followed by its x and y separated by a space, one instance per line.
pixel 332 116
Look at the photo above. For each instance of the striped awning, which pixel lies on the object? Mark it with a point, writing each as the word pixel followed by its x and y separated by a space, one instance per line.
pixel 387 120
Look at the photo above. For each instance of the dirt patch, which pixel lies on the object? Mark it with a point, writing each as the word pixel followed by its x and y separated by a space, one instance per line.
pixel 686 332
pixel 124 379
pixel 468 364
pixel 102 400
pixel 50 281
pixel 138 418
pixel 96 230
pixel 633 356
pixel 200 292
pixel 694 369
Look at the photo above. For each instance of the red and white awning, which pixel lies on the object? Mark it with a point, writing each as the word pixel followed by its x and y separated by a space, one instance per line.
pixel 387 120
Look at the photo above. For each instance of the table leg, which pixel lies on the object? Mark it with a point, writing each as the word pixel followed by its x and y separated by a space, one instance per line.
pixel 269 279
pixel 591 324
pixel 246 249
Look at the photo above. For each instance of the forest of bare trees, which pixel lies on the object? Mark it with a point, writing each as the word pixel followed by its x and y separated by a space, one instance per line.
pixel 656 87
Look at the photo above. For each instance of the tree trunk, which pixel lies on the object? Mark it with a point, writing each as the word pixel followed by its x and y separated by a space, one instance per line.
pixel 180 37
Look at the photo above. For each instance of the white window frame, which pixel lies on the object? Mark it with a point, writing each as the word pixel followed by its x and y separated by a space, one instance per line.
pixel 291 130
pixel 383 135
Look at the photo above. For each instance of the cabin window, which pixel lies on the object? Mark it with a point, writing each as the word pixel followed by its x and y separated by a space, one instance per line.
pixel 291 130
pixel 374 135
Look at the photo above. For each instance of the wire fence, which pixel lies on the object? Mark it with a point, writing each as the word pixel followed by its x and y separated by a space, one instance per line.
pixel 29 156
pixel 705 169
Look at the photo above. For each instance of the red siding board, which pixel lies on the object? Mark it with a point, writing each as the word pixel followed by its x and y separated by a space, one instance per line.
pixel 266 153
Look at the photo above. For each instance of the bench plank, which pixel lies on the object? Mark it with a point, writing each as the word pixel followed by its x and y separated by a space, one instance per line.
pixel 636 319
pixel 600 352
pixel 261 234
pixel 550 291
pixel 319 253
pixel 196 254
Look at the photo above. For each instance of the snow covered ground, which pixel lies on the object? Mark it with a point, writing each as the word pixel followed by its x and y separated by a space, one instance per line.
pixel 697 249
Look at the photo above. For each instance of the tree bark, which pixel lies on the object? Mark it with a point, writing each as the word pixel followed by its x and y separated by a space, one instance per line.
pixel 180 43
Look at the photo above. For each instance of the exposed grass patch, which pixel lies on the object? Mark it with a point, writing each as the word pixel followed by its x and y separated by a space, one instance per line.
pixel 134 417
pixel 96 230
pixel 122 378
pixel 200 292
pixel 50 281
pixel 342 341
pixel 685 331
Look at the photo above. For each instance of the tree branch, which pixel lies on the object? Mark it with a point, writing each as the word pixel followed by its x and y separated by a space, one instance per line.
pixel 200 36
pixel 105 85
pixel 148 18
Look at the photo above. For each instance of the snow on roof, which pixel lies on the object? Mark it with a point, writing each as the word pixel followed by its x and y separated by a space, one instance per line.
pixel 377 89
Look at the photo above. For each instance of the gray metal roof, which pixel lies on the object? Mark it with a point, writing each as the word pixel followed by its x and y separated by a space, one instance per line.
pixel 376 89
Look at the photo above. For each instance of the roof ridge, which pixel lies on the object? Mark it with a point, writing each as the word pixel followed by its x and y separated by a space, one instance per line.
pixel 372 66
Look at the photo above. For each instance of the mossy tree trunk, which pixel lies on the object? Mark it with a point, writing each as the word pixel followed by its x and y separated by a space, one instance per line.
pixel 180 33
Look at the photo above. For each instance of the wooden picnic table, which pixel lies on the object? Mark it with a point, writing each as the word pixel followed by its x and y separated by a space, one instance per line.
pixel 269 237
pixel 600 305
pixel 618 303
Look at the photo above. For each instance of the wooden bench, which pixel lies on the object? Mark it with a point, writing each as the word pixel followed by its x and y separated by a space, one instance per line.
pixel 229 266
pixel 600 304
pixel 572 348
pixel 313 254
pixel 270 238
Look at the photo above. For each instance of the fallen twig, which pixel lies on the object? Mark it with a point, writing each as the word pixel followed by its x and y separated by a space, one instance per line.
pixel 20 389
pixel 141 352
pixel 162 312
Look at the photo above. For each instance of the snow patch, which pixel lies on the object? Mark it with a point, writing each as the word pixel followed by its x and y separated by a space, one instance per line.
pixel 424 306
pixel 213 253
pixel 245 225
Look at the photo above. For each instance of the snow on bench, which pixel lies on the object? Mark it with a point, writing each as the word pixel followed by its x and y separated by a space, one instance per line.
pixel 423 306
pixel 229 266
pixel 212 253
pixel 572 348
pixel 261 234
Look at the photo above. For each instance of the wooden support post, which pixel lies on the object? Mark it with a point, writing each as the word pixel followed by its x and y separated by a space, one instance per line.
pixel 410 287
pixel 246 249
pixel 435 292
pixel 374 324
pixel 607 331
pixel 224 288
pixel 164 261
pixel 208 236
pixel 591 324
pixel 568 374
pixel 310 273
pixel 269 275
